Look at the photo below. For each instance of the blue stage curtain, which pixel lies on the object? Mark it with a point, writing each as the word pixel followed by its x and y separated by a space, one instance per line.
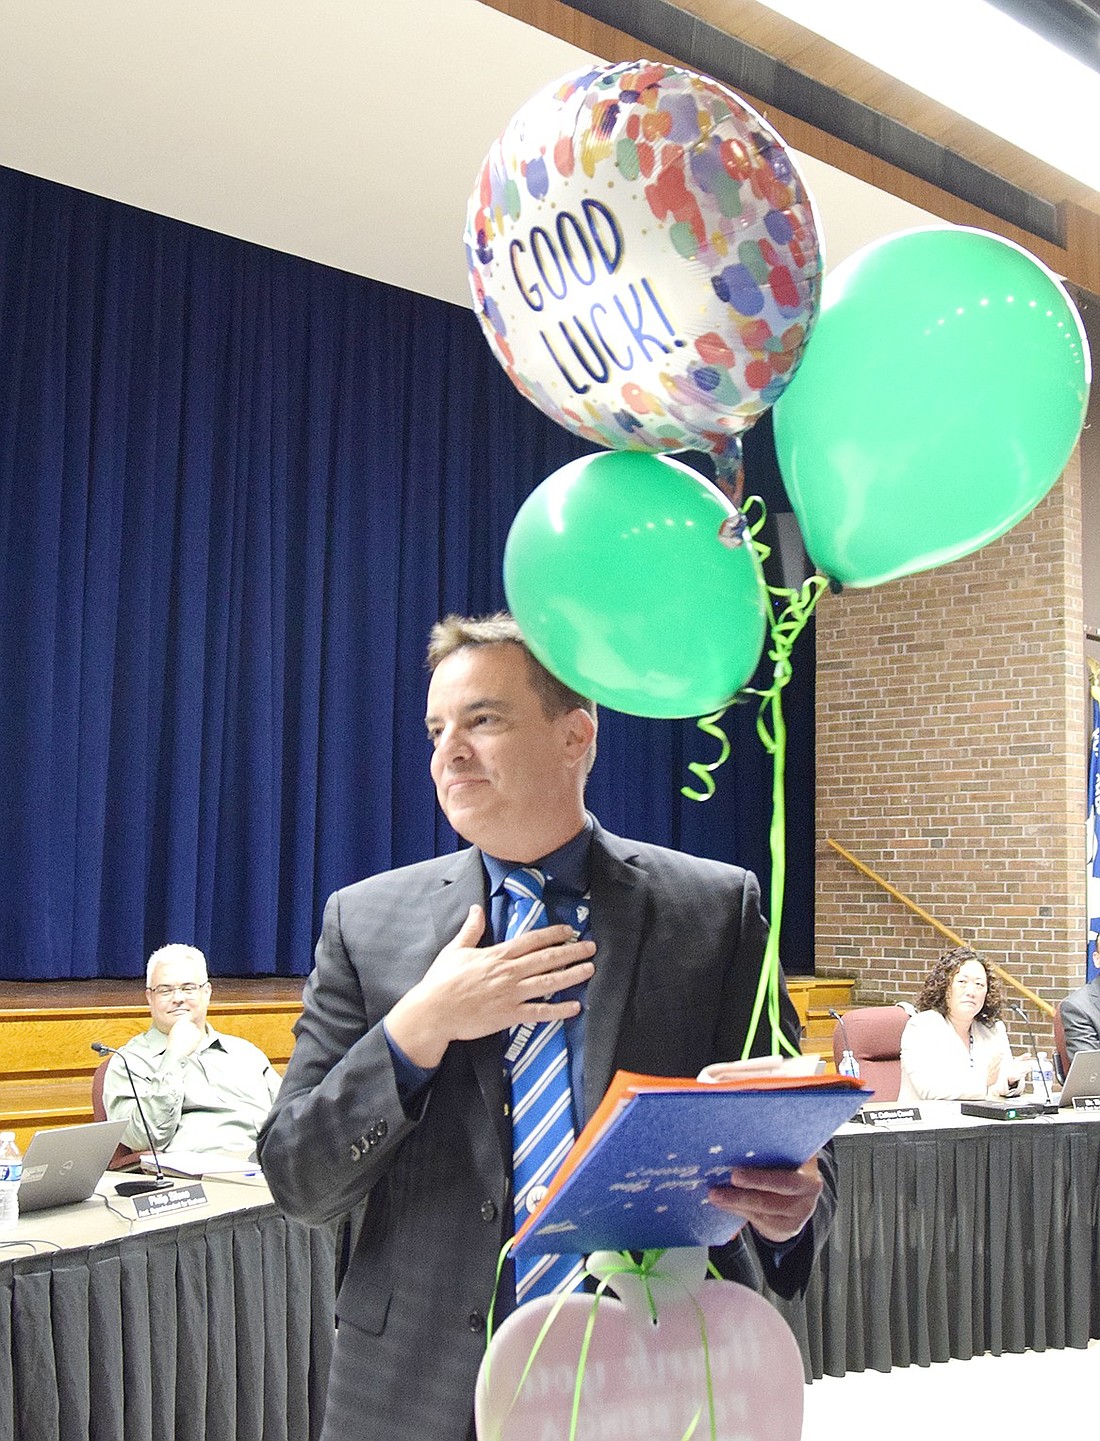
pixel 236 489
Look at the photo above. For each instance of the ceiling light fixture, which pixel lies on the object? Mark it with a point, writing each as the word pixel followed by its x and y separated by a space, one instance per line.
pixel 978 61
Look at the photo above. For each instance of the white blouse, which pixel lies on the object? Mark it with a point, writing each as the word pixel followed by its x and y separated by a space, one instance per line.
pixel 937 1065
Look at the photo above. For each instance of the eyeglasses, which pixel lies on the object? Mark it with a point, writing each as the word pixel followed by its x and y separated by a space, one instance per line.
pixel 187 989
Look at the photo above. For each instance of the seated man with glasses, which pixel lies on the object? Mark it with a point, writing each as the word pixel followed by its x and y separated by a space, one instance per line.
pixel 200 1090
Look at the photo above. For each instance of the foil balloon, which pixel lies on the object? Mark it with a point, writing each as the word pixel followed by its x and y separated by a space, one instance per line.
pixel 939 401
pixel 633 581
pixel 710 1360
pixel 644 258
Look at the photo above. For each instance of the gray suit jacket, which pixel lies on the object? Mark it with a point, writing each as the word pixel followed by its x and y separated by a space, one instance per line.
pixel 679 943
pixel 1081 1019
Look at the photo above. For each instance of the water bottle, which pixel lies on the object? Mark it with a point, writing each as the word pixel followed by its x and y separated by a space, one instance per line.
pixel 1042 1071
pixel 849 1066
pixel 11 1173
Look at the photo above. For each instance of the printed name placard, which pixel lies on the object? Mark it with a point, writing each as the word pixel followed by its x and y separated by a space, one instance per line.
pixel 163 1203
pixel 889 1115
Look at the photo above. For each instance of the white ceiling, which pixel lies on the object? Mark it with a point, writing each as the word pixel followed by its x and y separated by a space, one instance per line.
pixel 345 131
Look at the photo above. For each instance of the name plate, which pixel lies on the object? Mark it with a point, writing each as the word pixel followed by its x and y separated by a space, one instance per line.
pixel 1086 1103
pixel 163 1203
pixel 889 1115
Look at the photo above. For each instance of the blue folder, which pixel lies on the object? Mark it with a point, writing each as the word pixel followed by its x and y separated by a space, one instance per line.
pixel 643 1181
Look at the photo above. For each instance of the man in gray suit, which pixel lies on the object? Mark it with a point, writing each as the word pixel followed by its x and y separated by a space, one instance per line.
pixel 1081 1019
pixel 396 1089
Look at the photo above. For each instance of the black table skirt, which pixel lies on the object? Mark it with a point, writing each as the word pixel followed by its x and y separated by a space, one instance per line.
pixel 219 1331
pixel 947 1243
pixel 955 1242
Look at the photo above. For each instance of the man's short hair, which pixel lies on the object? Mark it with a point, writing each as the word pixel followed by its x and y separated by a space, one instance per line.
pixel 174 952
pixel 456 632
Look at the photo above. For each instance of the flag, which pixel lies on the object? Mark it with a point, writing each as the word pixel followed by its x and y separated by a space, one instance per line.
pixel 1092 832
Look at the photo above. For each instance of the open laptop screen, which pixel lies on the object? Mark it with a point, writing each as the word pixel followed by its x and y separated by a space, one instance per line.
pixel 63 1165
pixel 1082 1079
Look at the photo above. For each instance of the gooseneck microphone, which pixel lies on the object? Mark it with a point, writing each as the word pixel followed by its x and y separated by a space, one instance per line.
pixel 1050 1105
pixel 159 1182
pixel 849 1066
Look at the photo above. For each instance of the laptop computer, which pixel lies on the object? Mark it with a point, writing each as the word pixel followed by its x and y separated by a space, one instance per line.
pixel 64 1165
pixel 1082 1079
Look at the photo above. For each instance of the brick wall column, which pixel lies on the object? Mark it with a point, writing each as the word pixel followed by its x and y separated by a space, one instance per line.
pixel 951 729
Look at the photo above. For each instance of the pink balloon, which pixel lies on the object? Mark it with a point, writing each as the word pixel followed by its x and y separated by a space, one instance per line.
pixel 645 1381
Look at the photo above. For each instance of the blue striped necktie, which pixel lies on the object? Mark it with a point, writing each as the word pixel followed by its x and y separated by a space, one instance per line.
pixel 542 1105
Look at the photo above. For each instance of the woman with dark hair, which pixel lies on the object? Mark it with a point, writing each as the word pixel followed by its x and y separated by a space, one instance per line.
pixel 956 1048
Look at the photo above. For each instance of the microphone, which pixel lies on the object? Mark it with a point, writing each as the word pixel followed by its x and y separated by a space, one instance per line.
pixel 849 1066
pixel 1051 1105
pixel 160 1182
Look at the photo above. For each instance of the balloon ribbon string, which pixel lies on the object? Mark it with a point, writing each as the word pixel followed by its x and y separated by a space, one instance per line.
pixel 771 727
pixel 648 1269
pixel 708 724
pixel 785 627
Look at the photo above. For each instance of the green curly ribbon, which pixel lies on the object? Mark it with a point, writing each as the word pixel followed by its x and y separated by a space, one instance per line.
pixel 647 1269
pixel 544 1329
pixel 708 724
pixel 784 628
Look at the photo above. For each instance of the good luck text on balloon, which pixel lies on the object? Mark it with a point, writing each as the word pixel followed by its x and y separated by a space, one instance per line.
pixel 600 335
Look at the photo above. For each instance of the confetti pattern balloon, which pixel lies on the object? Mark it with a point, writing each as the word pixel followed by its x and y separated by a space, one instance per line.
pixel 644 258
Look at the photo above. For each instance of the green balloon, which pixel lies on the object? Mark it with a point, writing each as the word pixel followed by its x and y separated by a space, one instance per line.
pixel 938 400
pixel 633 581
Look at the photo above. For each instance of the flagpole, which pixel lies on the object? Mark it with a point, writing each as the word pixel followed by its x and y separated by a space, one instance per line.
pixel 1092 826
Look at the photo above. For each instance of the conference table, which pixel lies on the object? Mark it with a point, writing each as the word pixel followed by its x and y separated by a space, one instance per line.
pixel 210 1323
pixel 953 1237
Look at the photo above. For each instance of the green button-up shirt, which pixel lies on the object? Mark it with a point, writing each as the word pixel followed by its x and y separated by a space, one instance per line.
pixel 216 1099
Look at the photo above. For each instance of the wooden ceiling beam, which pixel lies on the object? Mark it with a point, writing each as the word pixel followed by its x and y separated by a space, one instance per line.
pixel 1075 255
